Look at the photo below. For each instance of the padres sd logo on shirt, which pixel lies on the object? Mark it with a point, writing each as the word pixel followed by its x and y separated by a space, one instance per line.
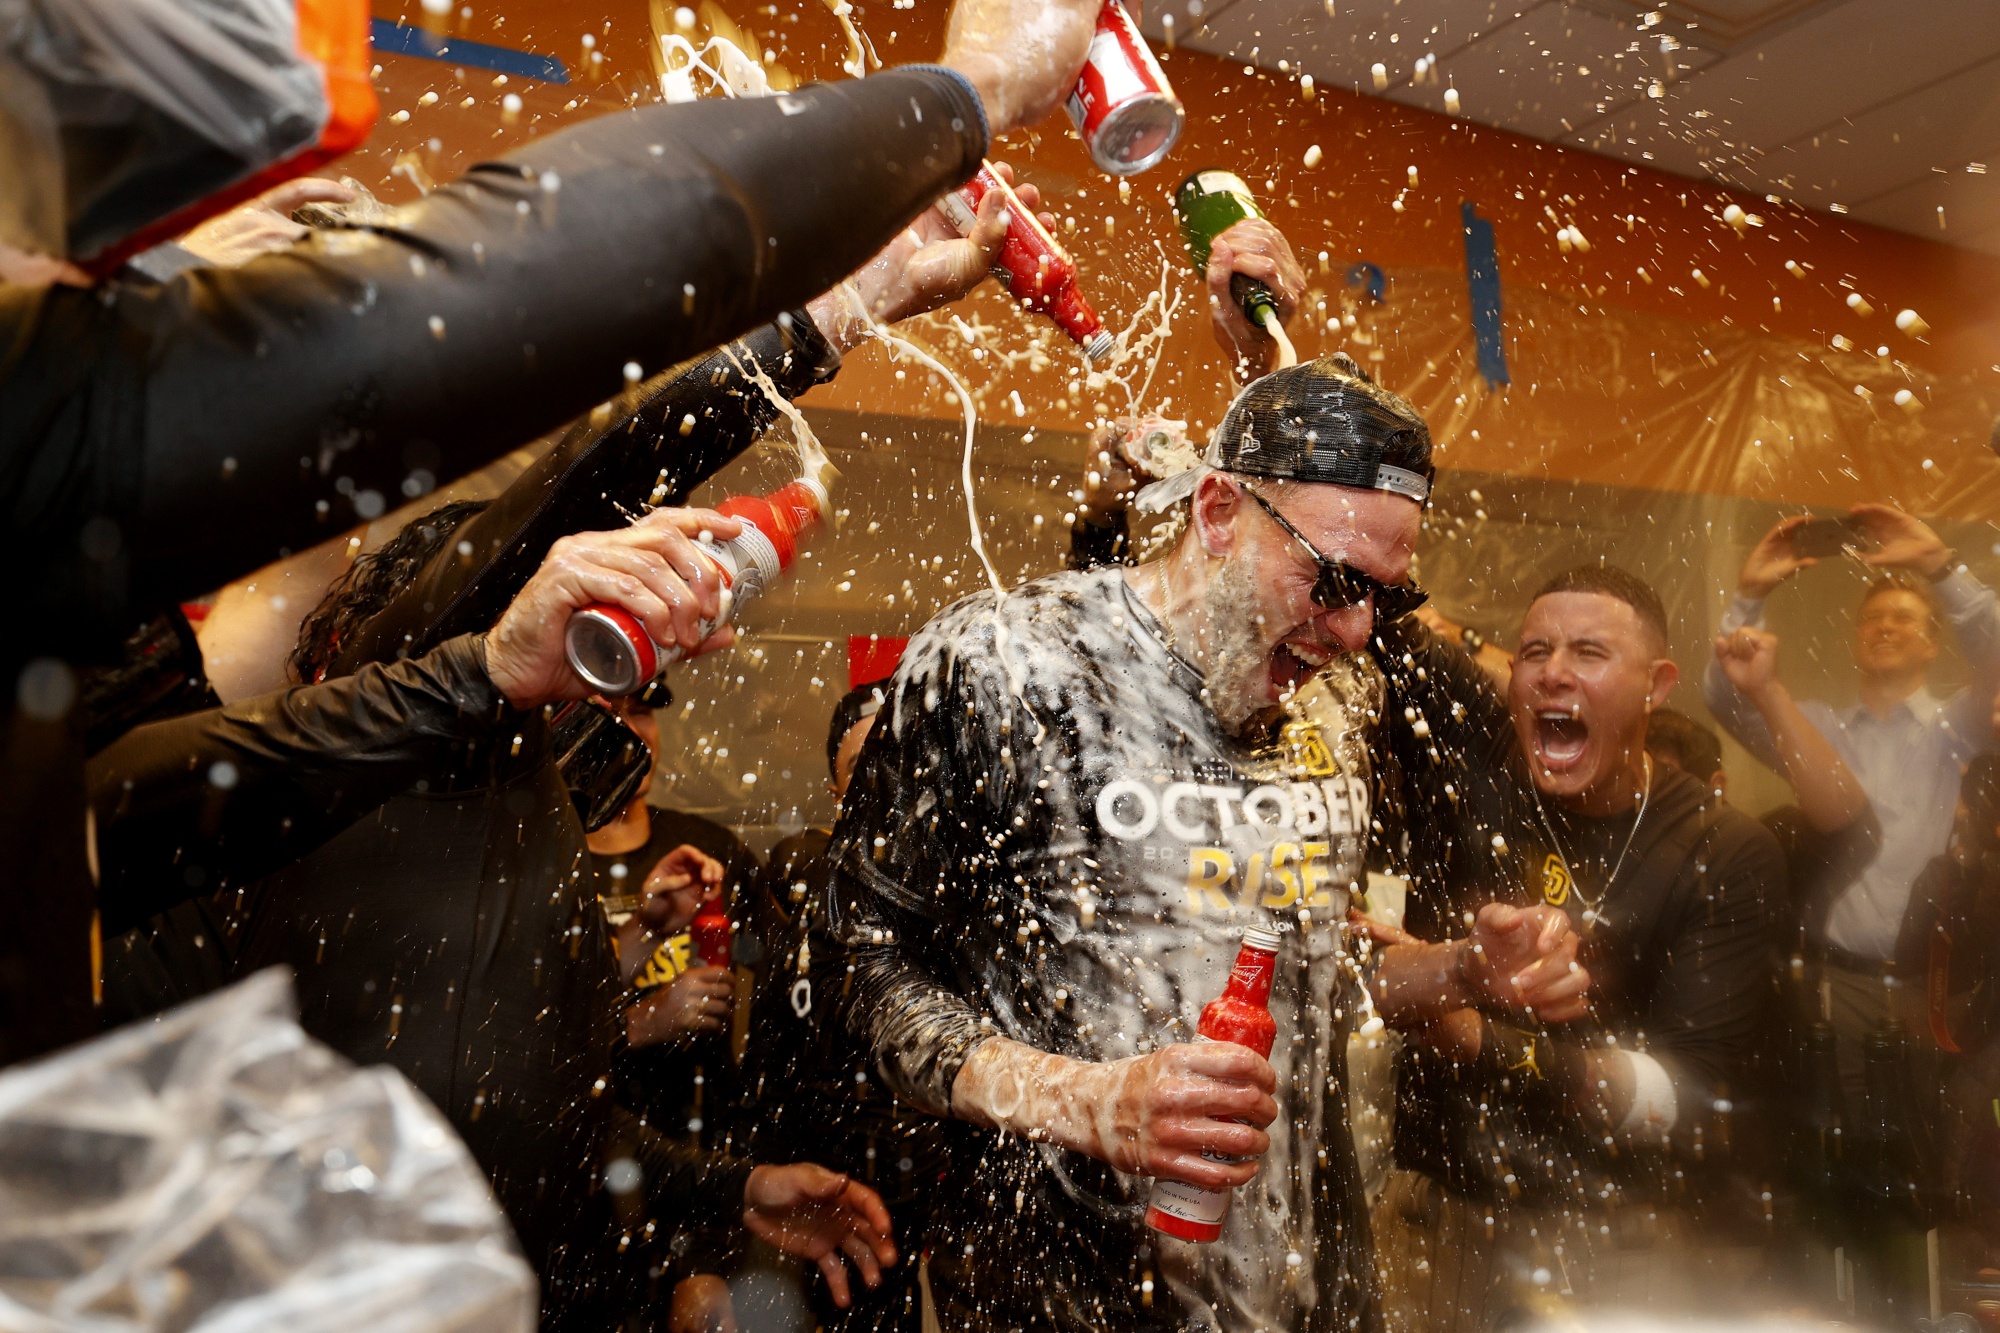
pixel 1555 881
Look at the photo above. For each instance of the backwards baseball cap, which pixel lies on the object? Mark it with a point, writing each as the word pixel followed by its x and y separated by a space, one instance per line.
pixel 1321 421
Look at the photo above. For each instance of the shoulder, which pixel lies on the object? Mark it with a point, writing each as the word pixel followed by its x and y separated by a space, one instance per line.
pixel 671 828
pixel 991 634
pixel 1724 842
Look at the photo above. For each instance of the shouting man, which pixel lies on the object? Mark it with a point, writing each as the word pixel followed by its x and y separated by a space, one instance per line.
pixel 1518 1142
pixel 1076 799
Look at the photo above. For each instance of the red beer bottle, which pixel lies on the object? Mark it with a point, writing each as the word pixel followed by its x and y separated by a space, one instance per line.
pixel 710 932
pixel 1033 267
pixel 1241 1015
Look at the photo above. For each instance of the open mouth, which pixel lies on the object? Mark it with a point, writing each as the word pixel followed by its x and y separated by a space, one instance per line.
pixel 1561 736
pixel 1293 664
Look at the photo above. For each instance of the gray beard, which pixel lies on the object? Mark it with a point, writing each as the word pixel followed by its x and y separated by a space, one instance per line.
pixel 1238 659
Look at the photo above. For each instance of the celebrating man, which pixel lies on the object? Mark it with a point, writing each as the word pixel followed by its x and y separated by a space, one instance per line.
pixel 1077 797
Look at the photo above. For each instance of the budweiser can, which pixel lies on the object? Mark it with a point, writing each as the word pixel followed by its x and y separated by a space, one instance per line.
pixel 1129 118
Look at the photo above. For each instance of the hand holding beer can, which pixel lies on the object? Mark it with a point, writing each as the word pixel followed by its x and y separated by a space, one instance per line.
pixel 1123 107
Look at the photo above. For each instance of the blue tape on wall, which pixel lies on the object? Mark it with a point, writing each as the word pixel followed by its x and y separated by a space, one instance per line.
pixel 405 40
pixel 1482 281
pixel 1370 278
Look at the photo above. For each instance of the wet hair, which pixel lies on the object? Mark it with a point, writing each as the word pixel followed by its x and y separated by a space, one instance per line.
pixel 857 705
pixel 1896 580
pixel 1612 581
pixel 1326 421
pixel 368 585
pixel 1694 749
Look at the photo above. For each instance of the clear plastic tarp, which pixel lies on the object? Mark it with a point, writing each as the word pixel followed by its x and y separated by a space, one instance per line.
pixel 219 1170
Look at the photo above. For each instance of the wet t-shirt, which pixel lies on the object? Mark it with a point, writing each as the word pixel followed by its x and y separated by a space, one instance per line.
pixel 1051 838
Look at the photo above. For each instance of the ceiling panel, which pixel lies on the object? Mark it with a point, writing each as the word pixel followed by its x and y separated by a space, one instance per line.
pixel 1556 68
pixel 1817 101
pixel 1946 124
pixel 1340 48
pixel 1971 204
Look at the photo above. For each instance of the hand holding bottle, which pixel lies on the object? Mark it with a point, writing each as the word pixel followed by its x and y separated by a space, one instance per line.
pixel 1153 1115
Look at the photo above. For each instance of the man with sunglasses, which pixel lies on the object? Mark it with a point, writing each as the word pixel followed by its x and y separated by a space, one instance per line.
pixel 1076 798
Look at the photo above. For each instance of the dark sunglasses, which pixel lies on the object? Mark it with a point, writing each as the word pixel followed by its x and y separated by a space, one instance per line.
pixel 1341 585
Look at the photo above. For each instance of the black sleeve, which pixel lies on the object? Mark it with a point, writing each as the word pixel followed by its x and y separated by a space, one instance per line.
pixel 1708 1005
pixel 201 427
pixel 1094 544
pixel 919 835
pixel 1441 756
pixel 236 793
pixel 652 446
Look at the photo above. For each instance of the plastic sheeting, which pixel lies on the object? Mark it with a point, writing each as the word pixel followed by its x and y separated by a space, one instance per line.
pixel 218 1170
pixel 117 114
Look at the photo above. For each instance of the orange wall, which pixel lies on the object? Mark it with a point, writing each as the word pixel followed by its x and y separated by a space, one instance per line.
pixel 1576 425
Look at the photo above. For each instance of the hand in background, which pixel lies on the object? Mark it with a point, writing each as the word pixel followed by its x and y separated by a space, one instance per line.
pixel 1255 249
pixel 816 1214
pixel 1108 480
pixel 1901 541
pixel 675 886
pixel 696 1001
pixel 1772 560
pixel 262 225
pixel 1749 657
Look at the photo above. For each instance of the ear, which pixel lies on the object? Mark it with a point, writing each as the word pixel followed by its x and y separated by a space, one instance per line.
pixel 1666 675
pixel 1217 507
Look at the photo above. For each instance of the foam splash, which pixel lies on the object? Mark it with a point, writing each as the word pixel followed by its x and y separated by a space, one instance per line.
pixel 1142 341
pixel 901 346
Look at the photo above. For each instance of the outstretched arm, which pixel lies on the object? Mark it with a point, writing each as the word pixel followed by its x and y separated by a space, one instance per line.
pixel 1828 791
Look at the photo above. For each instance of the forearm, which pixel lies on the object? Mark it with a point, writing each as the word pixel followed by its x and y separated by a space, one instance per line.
pixel 1735 713
pixel 919 1032
pixel 241 791
pixel 1048 1098
pixel 495 309
pixel 1420 983
pixel 653 446
pixel 1827 789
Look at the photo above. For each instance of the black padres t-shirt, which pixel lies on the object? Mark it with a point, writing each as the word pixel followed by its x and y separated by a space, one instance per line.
pixel 1678 944
pixel 1051 838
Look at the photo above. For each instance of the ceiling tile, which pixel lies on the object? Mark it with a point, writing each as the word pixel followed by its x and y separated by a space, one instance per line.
pixel 1556 68
pixel 1343 47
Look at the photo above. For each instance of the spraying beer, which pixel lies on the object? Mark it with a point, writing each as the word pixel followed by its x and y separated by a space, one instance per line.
pixel 1033 268
pixel 610 648
pixel 1209 203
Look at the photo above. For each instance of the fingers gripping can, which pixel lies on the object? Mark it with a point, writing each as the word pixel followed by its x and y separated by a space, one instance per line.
pixel 609 647
pixel 1242 1014
pixel 1129 118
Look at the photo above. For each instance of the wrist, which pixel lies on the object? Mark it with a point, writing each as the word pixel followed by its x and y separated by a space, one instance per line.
pixel 987 75
pixel 1937 568
pixel 1465 974
pixel 1755 590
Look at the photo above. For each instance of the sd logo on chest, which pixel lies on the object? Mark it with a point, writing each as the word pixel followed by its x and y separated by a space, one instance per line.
pixel 1555 881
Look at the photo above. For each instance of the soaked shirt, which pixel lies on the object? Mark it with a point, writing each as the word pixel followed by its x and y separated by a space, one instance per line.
pixel 1051 838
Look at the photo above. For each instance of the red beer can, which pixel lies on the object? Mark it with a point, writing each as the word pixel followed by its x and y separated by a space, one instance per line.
pixel 1129 118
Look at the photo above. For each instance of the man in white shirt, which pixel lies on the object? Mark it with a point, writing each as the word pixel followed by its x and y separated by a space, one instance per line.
pixel 1906 746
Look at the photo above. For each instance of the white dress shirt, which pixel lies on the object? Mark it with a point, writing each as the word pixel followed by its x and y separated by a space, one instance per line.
pixel 1908 762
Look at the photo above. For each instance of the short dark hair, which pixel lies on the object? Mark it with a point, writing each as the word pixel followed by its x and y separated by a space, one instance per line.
pixel 857 705
pixel 1612 581
pixel 1694 749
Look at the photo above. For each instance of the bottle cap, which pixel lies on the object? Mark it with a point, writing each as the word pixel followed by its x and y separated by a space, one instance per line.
pixel 1264 941
pixel 1100 346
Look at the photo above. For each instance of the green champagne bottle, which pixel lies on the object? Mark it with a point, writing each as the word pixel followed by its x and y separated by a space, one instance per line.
pixel 1209 203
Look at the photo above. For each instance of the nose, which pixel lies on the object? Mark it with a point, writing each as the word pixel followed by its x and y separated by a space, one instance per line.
pixel 1350 626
